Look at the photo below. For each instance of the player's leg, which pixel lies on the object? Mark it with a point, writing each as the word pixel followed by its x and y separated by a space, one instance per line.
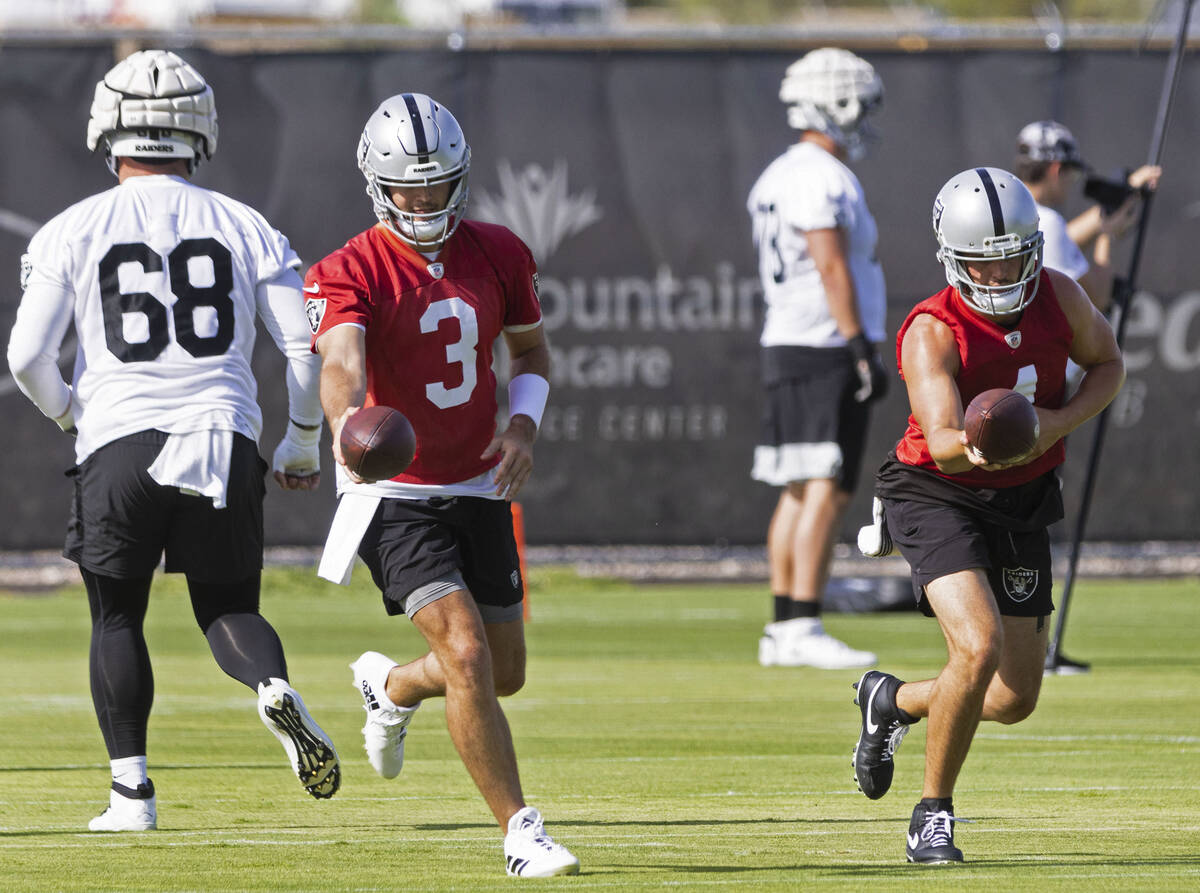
pixel 482 737
pixel 243 643
pixel 973 629
pixel 804 641
pixel 220 551
pixel 1021 579
pixel 409 684
pixel 455 633
pixel 974 634
pixel 1013 693
pixel 781 534
pixel 824 430
pixel 115 535
pixel 452 566
pixel 813 536
pixel 122 684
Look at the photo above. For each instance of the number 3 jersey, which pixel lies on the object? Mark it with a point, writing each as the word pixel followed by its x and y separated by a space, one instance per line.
pixel 162 277
pixel 430 327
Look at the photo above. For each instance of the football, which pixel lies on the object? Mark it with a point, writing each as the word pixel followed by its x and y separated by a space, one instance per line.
pixel 1001 425
pixel 378 443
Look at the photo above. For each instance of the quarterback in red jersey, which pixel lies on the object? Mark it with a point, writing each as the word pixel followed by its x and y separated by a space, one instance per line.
pixel 975 534
pixel 405 315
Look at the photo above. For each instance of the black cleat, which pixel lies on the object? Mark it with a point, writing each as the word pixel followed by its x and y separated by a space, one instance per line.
pixel 931 837
pixel 880 734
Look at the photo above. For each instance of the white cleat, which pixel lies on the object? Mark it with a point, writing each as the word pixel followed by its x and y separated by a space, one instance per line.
pixel 804 643
pixel 387 724
pixel 310 751
pixel 129 809
pixel 530 852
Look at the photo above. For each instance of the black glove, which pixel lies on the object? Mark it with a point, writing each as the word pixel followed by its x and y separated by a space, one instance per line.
pixel 872 377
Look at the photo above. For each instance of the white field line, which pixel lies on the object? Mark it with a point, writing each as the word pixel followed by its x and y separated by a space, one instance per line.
pixel 596 840
pixel 673 796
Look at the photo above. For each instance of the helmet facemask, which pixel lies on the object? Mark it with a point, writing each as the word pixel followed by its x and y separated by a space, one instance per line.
pixel 411 141
pixel 987 214
pixel 997 300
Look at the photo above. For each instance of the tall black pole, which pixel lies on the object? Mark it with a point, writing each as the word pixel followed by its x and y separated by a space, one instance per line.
pixel 1123 291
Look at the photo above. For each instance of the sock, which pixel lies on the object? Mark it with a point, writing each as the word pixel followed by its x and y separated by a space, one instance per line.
pixel 376 668
pixel 938 804
pixel 783 608
pixel 805 609
pixel 129 771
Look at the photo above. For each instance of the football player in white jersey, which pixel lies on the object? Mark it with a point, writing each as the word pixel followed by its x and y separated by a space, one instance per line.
pixel 163 281
pixel 825 307
pixel 1049 164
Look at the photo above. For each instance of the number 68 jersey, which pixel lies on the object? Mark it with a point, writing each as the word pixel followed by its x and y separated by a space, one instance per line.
pixel 430 327
pixel 162 278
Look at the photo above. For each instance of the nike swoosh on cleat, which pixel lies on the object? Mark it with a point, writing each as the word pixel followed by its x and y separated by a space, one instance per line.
pixel 913 840
pixel 872 727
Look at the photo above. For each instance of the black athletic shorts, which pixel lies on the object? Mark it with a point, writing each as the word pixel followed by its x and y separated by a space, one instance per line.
pixel 419 550
pixel 122 520
pixel 942 527
pixel 812 427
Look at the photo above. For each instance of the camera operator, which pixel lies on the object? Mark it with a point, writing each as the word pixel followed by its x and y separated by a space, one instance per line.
pixel 1049 163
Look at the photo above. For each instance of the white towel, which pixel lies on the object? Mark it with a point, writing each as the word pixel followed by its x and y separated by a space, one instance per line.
pixel 350 522
pixel 196 462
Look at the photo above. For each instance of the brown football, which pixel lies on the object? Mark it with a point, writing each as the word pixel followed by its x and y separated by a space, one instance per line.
pixel 1001 424
pixel 378 443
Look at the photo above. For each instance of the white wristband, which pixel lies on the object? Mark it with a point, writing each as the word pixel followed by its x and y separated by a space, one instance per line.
pixel 527 395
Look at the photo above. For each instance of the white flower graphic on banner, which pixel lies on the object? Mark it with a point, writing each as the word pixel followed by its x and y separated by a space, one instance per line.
pixel 537 206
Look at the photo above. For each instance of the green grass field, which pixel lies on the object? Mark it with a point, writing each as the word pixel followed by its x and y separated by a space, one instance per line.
pixel 656 747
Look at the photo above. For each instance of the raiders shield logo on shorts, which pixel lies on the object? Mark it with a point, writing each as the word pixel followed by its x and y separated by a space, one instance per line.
pixel 314 309
pixel 1020 583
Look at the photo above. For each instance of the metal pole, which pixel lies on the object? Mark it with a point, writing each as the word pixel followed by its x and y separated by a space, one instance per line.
pixel 1123 290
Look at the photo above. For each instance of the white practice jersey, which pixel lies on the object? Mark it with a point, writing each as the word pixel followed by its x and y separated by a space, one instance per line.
pixel 164 277
pixel 1059 252
pixel 805 189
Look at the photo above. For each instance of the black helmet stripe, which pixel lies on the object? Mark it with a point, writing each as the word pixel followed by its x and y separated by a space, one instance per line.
pixel 993 198
pixel 418 124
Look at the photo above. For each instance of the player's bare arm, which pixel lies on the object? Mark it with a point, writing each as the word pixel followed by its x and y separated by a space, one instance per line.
pixel 831 254
pixel 530 354
pixel 929 356
pixel 343 351
pixel 1095 349
pixel 828 250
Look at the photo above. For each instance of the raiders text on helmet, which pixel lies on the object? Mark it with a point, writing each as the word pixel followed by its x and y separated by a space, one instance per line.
pixel 832 91
pixel 988 214
pixel 153 105
pixel 411 140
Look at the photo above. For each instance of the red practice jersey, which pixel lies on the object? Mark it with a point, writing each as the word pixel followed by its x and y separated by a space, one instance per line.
pixel 430 327
pixel 1031 358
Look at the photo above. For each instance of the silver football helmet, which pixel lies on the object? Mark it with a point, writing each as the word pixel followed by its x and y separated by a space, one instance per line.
pixel 832 91
pixel 153 105
pixel 988 214
pixel 411 140
pixel 1049 141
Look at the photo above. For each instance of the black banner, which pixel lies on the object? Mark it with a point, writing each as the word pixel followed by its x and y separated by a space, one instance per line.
pixel 626 171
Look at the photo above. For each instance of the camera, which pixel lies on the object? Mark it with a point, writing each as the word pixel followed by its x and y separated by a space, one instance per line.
pixel 1109 194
